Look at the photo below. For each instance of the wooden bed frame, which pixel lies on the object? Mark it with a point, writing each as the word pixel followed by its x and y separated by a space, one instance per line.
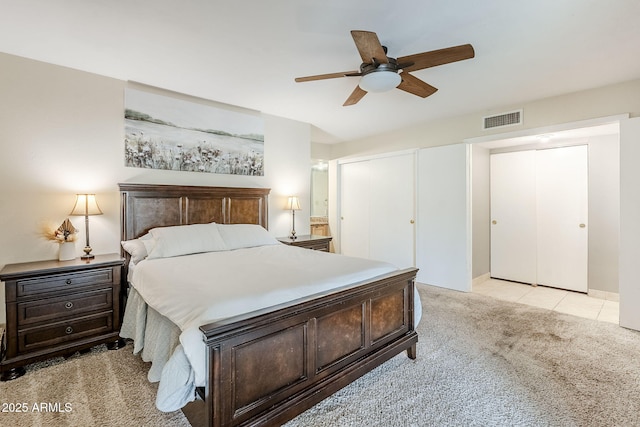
pixel 268 366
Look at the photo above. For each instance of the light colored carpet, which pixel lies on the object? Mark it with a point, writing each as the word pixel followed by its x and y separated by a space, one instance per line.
pixel 481 362
pixel 103 388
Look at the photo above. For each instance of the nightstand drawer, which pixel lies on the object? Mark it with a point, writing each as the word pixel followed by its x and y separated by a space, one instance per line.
pixel 60 332
pixel 60 307
pixel 322 246
pixel 55 283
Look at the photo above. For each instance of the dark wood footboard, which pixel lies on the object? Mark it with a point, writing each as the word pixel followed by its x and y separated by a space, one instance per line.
pixel 269 366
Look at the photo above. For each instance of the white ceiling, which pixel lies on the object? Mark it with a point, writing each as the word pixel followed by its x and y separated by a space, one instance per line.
pixel 247 53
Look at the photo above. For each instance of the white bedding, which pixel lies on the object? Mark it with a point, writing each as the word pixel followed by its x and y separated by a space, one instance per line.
pixel 217 285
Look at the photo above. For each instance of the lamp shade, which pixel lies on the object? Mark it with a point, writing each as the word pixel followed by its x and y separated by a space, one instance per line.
pixel 293 204
pixel 380 81
pixel 86 205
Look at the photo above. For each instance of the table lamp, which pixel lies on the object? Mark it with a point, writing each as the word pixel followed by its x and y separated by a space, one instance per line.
pixel 86 205
pixel 293 204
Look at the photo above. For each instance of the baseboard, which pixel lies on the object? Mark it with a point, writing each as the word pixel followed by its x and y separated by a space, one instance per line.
pixel 609 296
pixel 480 279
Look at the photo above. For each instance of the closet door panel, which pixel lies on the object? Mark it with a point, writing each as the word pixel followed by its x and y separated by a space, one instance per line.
pixel 562 209
pixel 377 209
pixel 355 189
pixel 392 210
pixel 513 216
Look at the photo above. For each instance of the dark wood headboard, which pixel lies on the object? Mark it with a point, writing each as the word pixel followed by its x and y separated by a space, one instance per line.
pixel 145 206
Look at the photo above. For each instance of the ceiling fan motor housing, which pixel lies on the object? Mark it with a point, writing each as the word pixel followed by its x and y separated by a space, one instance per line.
pixel 392 65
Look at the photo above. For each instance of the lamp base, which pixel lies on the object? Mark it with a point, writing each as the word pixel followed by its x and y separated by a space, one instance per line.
pixel 87 253
pixel 293 236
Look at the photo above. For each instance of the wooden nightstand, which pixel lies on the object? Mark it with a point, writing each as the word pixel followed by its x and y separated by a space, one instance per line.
pixel 55 308
pixel 319 243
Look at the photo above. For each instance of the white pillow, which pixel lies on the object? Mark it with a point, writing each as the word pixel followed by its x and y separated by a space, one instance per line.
pixel 138 248
pixel 238 236
pixel 185 240
pixel 149 242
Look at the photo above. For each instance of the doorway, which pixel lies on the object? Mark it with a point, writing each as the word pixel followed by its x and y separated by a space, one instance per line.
pixel 602 137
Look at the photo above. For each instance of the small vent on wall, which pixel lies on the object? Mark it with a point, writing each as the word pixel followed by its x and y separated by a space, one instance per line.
pixel 502 120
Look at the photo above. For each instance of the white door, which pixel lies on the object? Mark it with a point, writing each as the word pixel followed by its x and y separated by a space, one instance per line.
pixel 562 209
pixel 539 217
pixel 355 184
pixel 377 206
pixel 392 210
pixel 513 216
pixel 444 245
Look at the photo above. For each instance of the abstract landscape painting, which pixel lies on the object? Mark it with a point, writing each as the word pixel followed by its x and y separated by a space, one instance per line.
pixel 173 134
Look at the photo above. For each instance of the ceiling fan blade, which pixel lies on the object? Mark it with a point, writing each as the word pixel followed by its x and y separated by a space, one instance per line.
pixel 357 94
pixel 369 47
pixel 328 76
pixel 415 86
pixel 433 58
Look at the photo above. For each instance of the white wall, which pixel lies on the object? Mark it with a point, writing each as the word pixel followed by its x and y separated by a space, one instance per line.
pixel 573 107
pixel 630 223
pixel 443 243
pixel 480 211
pixel 604 212
pixel 62 132
pixel 320 151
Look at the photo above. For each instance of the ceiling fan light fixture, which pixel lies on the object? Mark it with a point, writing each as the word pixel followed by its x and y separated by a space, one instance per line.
pixel 380 81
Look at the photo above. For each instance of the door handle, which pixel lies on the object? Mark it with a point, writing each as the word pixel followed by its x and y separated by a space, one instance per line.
pixel 583 225
pixel 494 222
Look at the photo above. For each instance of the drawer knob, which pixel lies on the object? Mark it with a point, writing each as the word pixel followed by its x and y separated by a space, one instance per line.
pixel 68 305
pixel 69 330
pixel 68 281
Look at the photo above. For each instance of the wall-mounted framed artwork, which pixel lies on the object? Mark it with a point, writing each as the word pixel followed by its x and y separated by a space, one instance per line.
pixel 162 132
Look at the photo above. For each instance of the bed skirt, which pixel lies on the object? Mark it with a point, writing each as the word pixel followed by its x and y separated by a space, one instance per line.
pixel 156 340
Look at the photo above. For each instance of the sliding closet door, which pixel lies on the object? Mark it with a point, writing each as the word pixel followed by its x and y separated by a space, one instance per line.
pixel 392 210
pixel 539 217
pixel 513 216
pixel 562 209
pixel 355 184
pixel 377 209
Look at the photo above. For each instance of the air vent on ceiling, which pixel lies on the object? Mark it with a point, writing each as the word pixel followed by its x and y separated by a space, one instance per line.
pixel 501 120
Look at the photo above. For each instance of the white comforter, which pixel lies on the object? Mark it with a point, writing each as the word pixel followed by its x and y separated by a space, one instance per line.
pixel 196 289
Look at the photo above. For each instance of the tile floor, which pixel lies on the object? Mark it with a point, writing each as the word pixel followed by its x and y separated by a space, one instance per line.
pixel 559 300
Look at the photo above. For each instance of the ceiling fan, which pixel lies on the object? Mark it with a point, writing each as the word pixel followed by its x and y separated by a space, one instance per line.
pixel 380 73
